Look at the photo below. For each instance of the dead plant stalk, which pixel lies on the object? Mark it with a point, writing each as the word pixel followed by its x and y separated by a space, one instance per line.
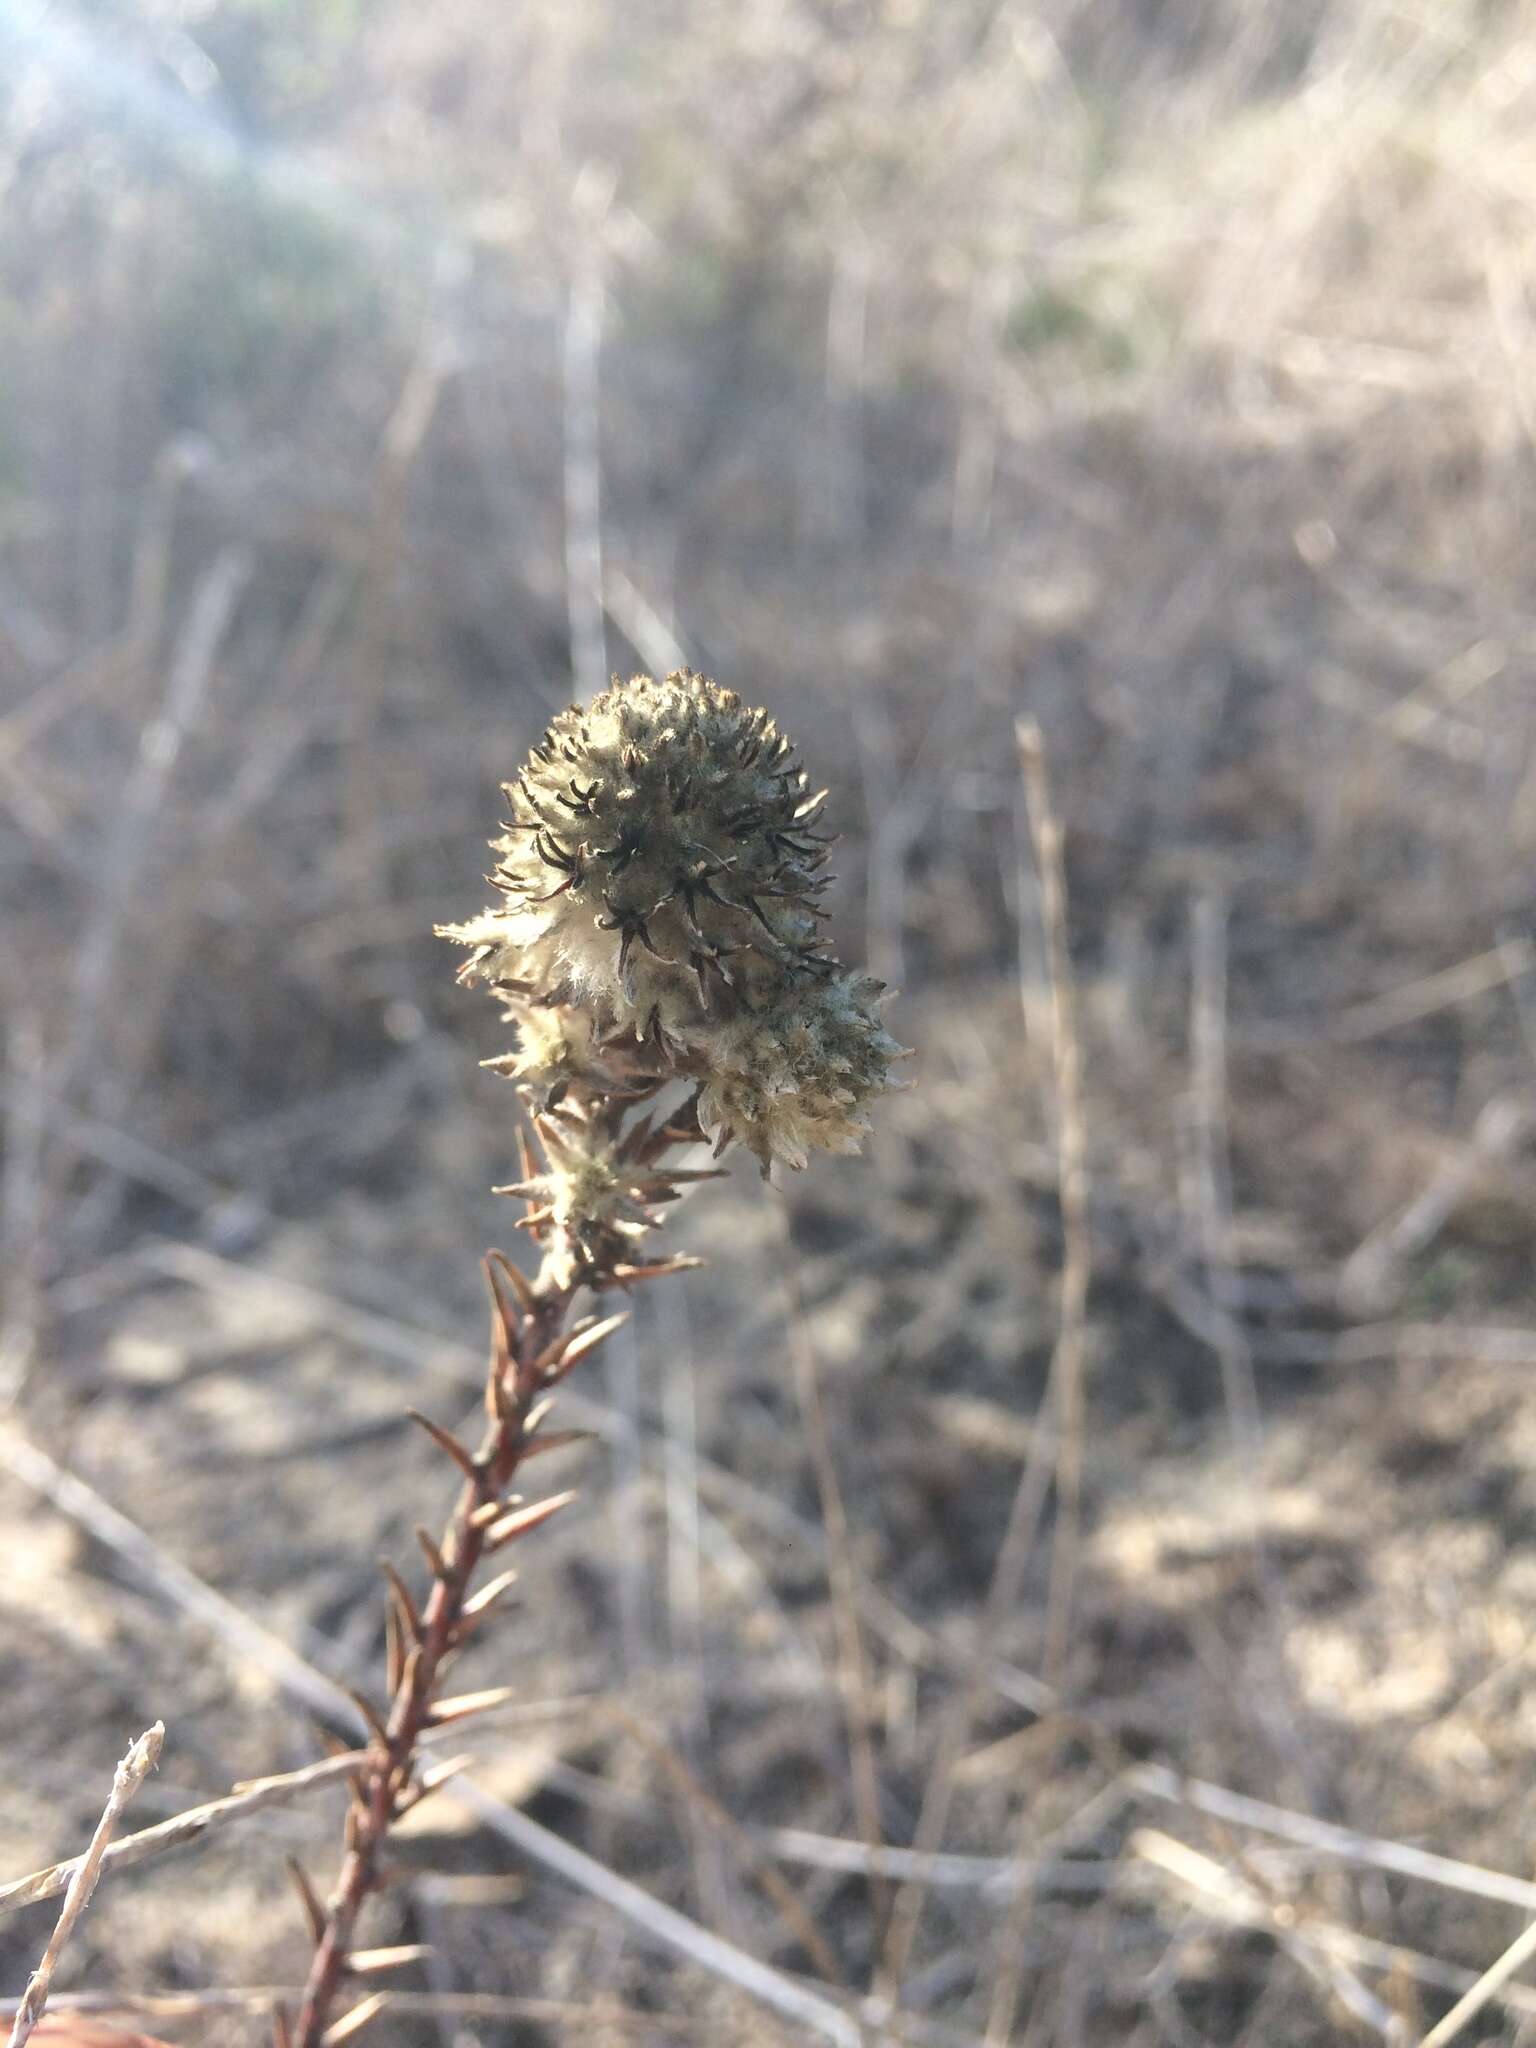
pixel 531 1349
pixel 658 924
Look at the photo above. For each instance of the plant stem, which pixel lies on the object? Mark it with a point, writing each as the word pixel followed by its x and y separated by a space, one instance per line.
pixel 383 1787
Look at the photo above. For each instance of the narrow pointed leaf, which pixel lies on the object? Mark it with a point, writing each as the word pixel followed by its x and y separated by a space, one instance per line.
pixel 626 1275
pixel 446 1442
pixel 403 1600
pixel 510 1527
pixel 468 1703
pixel 515 1279
pixel 354 2022
pixel 368 1710
pixel 309 1899
pixel 488 1595
pixel 589 1340
pixel 367 1962
pixel 439 1774
pixel 431 1552
pixel 429 1782
pixel 394 1645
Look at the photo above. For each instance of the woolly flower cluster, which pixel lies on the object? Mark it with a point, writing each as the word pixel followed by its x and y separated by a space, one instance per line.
pixel 659 879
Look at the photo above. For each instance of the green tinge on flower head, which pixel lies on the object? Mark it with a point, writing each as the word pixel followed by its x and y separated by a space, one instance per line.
pixel 659 876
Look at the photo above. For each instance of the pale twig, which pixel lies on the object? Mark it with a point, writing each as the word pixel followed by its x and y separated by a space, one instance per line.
pixel 1072 1185
pixel 398 451
pixel 1431 992
pixel 654 637
pixel 1488 1986
pixel 1156 1781
pixel 150 579
pixel 262 2000
pixel 842 1572
pixel 126 1780
pixel 1068 1363
pixel 1504 965
pixel 1372 1277
pixel 1212 1202
pixel 1093 1876
pixel 1239 1901
pixel 684 1578
pixel 1001 1875
pixel 633 1569
pixel 1212 1175
pixel 182 1828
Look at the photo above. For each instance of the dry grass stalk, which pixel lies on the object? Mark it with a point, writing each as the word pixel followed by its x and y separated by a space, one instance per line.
pixel 1069 1360
pixel 1241 1902
pixel 852 1662
pixel 126 1780
pixel 1072 1185
pixel 181 1828
pixel 1155 1781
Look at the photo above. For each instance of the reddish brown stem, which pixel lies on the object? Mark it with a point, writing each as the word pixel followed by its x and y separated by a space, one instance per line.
pixel 532 1350
pixel 515 1384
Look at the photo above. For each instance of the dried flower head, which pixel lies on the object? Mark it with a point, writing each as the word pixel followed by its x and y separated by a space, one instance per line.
pixel 797 1075
pixel 659 879
pixel 662 845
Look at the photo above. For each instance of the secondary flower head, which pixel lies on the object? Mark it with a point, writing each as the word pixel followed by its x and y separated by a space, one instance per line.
pixel 659 877
pixel 798 1075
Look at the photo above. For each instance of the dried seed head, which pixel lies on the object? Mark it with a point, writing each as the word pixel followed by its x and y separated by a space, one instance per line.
pixel 662 847
pixel 659 877
pixel 798 1075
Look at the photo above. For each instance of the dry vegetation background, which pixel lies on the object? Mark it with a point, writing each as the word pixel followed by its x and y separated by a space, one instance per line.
pixel 373 378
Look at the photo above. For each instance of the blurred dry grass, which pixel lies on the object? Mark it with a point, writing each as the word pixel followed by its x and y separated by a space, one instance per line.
pixel 1163 373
